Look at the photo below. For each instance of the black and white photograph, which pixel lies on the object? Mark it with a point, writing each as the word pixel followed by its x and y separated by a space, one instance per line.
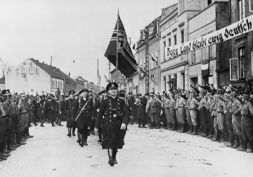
pixel 126 88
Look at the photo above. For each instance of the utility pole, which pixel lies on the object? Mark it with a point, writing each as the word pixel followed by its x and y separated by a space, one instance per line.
pixel 147 59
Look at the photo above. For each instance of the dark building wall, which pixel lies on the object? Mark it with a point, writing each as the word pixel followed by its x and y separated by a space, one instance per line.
pixel 223 50
pixel 241 41
pixel 69 85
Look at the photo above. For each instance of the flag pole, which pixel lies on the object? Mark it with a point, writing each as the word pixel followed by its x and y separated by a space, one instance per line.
pixel 117 53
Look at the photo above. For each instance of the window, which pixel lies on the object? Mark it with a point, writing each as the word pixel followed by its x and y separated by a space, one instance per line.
pixel 164 50
pixel 169 42
pixel 60 85
pixel 182 36
pixel 251 5
pixel 31 70
pixel 241 9
pixel 234 70
pixel 193 57
pixel 212 51
pixel 205 53
pixel 175 39
pixel 209 2
pixel 37 71
pixel 156 58
pixel 242 58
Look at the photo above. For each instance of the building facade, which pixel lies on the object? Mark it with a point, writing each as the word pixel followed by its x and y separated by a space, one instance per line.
pixel 32 76
pixel 148 46
pixel 174 31
pixel 242 46
pixel 213 17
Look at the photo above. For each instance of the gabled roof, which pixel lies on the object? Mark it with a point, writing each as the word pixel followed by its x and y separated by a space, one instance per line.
pixel 80 78
pixel 168 10
pixel 52 70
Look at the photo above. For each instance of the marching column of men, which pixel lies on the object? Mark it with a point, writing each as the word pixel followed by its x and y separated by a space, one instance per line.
pixel 84 111
pixel 109 114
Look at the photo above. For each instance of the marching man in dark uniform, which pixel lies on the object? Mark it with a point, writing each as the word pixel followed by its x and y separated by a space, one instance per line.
pixel 71 107
pixel 49 109
pixel 84 117
pixel 97 108
pixel 114 112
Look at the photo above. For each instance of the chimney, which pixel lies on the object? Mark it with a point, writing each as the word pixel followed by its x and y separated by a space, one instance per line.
pixel 69 74
pixel 51 60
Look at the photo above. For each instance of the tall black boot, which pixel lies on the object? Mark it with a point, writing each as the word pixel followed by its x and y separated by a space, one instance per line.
pixel 195 130
pixel 69 132
pixel 100 137
pixel 73 131
pixel 110 162
pixel 84 137
pixel 114 153
pixel 78 137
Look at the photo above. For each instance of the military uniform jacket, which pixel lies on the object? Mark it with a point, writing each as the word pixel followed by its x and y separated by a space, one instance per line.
pixel 166 103
pixel 181 103
pixel 7 108
pixel 154 106
pixel 236 107
pixel 2 112
pixel 71 108
pixel 247 109
pixel 202 103
pixel 220 106
pixel 86 114
pixel 22 107
pixel 172 103
pixel 63 107
pixel 193 104
pixel 213 108
pixel 114 111
pixel 48 109
pixel 188 102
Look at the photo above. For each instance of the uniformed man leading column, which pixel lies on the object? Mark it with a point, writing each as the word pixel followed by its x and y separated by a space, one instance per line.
pixel 114 112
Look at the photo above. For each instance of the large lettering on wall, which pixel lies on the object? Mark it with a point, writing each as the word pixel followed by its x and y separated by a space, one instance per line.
pixel 241 27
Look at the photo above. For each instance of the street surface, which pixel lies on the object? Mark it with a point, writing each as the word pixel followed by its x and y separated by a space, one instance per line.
pixel 147 153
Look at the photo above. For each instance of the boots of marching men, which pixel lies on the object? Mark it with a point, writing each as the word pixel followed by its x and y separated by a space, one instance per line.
pixel 73 131
pixel 112 153
pixel 69 132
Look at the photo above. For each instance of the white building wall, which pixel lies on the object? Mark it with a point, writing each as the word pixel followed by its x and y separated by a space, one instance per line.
pixel 56 83
pixel 2 86
pixel 28 83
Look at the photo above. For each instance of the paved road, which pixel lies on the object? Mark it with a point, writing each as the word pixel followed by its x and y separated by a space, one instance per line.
pixel 147 153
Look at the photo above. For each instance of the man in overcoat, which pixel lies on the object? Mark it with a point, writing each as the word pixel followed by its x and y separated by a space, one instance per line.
pixel 85 109
pixel 115 114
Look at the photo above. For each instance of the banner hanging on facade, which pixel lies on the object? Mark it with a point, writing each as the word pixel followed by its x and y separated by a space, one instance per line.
pixel 236 29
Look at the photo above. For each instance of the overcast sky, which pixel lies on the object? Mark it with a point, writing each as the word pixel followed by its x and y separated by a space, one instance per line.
pixel 70 30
